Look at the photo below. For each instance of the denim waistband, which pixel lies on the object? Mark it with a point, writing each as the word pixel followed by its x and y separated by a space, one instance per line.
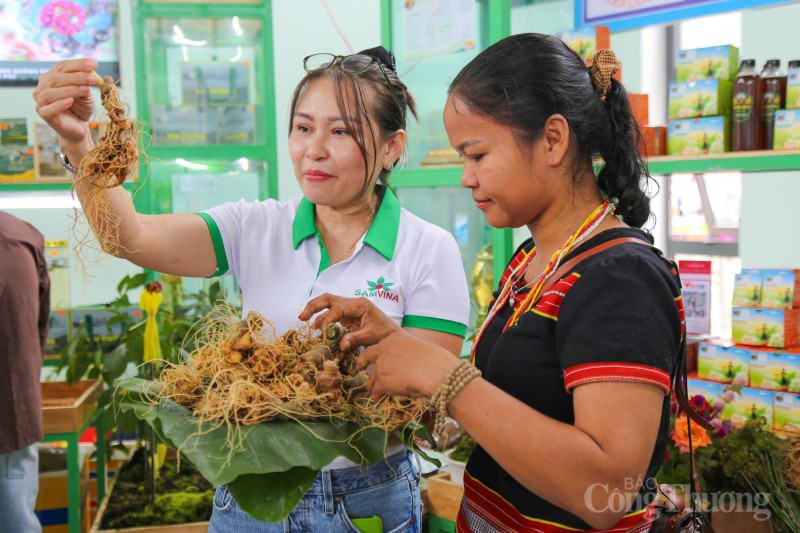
pixel 344 480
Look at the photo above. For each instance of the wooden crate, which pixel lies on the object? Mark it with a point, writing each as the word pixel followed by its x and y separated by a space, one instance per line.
pixel 65 408
pixel 444 496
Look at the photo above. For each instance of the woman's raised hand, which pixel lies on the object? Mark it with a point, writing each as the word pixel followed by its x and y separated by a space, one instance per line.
pixel 367 323
pixel 64 100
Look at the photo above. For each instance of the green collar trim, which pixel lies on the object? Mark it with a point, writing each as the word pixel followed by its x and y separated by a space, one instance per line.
pixel 381 235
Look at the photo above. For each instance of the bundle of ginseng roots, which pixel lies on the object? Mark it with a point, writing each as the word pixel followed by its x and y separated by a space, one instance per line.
pixel 107 165
pixel 244 374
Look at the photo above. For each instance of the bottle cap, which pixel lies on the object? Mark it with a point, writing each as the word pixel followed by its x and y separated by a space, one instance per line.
pixel 748 63
pixel 772 63
pixel 794 63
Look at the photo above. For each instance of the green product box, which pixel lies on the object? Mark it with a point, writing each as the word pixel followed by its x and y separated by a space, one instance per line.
pixel 747 289
pixel 698 136
pixel 775 371
pixel 722 363
pixel 708 389
pixel 720 62
pixel 775 328
pixel 751 404
pixel 787 412
pixel 787 130
pixel 703 98
pixel 779 289
pixel 793 89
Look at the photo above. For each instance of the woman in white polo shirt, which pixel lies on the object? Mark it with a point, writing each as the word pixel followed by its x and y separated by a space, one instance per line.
pixel 346 236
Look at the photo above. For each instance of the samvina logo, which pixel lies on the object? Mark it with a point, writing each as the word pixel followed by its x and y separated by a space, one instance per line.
pixel 378 289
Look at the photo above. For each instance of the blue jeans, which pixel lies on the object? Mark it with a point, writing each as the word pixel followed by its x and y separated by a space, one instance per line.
pixel 389 489
pixel 19 483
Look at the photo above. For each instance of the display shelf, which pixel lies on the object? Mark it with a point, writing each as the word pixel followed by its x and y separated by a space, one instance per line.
pixel 760 161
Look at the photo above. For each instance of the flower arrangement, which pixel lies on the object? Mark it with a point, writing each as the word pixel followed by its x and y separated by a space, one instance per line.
pixel 748 459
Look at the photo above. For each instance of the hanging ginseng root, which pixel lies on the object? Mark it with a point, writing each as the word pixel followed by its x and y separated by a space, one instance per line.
pixel 106 166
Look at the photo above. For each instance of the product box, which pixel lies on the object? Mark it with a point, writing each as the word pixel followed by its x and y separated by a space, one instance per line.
pixel 722 363
pixel 654 140
pixel 747 289
pixel 698 136
pixel 780 289
pixel 702 98
pixel 787 412
pixel 775 371
pixel 776 328
pixel 587 41
pixel 710 390
pixel 793 89
pixel 751 404
pixel 713 62
pixel 787 130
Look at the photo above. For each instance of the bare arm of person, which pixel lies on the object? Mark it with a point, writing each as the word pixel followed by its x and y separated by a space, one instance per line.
pixel 576 467
pixel 177 244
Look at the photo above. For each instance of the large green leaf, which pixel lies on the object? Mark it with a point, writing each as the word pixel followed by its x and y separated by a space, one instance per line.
pixel 270 466
pixel 271 497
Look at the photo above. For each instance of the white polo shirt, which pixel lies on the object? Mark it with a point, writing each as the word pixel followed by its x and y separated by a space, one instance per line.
pixel 407 267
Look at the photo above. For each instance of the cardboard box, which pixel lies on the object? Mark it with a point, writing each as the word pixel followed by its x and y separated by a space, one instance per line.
pixel 747 289
pixel 775 371
pixel 720 62
pixel 793 89
pixel 780 289
pixel 640 107
pixel 787 412
pixel 776 328
pixel 654 141
pixel 721 363
pixel 751 404
pixel 704 98
pixel 444 496
pixel 587 41
pixel 698 136
pixel 787 130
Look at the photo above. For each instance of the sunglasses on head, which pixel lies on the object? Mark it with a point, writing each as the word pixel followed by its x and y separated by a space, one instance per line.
pixel 352 64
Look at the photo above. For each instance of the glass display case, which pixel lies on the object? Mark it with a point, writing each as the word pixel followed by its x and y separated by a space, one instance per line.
pixel 207 102
pixel 432 41
pixel 182 186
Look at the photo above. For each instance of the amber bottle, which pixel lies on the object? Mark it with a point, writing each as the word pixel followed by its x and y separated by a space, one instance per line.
pixel 772 90
pixel 748 129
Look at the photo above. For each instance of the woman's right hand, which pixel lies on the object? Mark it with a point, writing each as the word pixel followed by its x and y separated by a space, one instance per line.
pixel 64 99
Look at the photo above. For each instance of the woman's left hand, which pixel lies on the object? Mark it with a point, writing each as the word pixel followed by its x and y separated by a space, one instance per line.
pixel 404 365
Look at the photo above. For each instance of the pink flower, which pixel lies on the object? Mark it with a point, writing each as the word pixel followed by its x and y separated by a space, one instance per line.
pixel 740 381
pixel 718 405
pixel 729 396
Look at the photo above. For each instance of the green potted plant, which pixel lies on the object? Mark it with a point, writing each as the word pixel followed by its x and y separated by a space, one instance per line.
pixel 173 495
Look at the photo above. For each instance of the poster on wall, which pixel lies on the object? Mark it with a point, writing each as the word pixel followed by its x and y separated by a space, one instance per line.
pixel 36 34
pixel 439 27
pixel 628 14
pixel 47 148
pixel 16 163
pixel 696 295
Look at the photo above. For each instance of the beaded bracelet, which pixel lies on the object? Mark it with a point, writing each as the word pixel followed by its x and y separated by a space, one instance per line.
pixel 457 379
